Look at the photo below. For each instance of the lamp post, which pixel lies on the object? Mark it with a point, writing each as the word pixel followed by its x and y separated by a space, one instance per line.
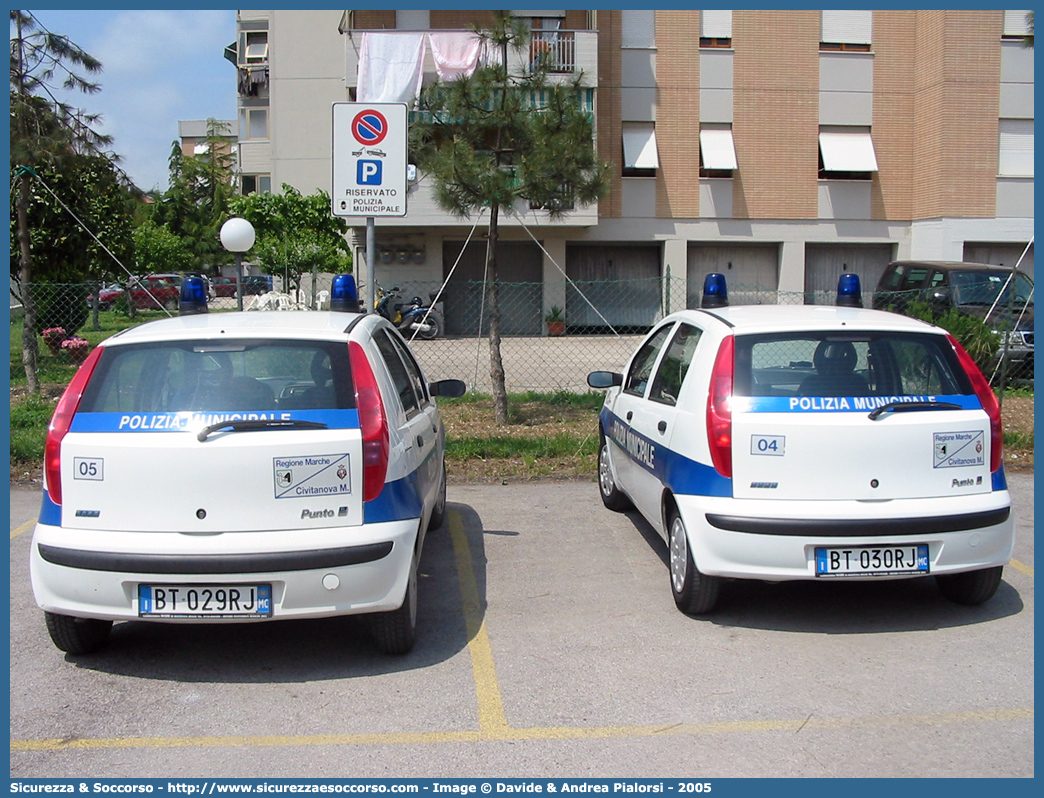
pixel 237 235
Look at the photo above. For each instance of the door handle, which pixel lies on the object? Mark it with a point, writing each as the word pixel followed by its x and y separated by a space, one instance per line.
pixel 662 426
pixel 420 441
pixel 629 414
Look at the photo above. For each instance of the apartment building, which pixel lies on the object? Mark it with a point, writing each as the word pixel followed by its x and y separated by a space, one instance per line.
pixel 779 147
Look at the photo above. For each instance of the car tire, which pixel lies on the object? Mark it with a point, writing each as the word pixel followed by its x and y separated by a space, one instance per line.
pixel 77 635
pixel 612 497
pixel 971 587
pixel 438 512
pixel 170 304
pixel 695 593
pixel 395 632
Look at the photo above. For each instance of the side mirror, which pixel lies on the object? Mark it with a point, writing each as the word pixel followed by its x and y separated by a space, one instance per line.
pixel 448 389
pixel 604 379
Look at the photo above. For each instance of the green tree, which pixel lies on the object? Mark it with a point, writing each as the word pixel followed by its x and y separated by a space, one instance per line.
pixel 295 233
pixel 43 131
pixel 496 138
pixel 157 249
pixel 195 204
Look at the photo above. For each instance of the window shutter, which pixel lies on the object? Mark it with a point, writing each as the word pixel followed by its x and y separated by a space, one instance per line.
pixel 716 24
pixel 1016 148
pixel 847 27
pixel 639 28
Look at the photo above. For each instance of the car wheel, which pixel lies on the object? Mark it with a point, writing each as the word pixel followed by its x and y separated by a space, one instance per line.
pixel 171 304
pixel 438 512
pixel 612 497
pixel 395 632
pixel 972 587
pixel 77 635
pixel 694 593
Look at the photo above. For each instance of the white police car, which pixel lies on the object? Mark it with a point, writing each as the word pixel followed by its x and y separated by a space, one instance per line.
pixel 241 467
pixel 795 442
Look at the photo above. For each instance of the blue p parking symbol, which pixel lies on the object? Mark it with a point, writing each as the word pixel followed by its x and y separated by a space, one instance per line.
pixel 368 173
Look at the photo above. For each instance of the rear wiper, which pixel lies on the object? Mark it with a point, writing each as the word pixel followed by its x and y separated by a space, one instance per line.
pixel 246 426
pixel 902 407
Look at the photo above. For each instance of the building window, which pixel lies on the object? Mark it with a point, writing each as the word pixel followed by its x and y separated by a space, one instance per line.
pixel 1016 148
pixel 638 29
pixel 717 151
pixel 846 153
pixel 253 47
pixel 716 28
pixel 253 124
pixel 640 158
pixel 846 30
pixel 261 184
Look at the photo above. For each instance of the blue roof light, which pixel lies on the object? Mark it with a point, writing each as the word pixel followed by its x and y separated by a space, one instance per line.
pixel 344 296
pixel 193 297
pixel 715 292
pixel 849 294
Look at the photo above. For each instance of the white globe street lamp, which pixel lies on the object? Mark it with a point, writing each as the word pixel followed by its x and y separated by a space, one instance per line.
pixel 237 235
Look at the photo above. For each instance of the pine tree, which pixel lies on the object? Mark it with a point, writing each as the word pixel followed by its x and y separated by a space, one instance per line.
pixel 43 131
pixel 496 138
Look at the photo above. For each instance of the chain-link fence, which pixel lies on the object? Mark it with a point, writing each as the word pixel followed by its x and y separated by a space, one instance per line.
pixel 553 333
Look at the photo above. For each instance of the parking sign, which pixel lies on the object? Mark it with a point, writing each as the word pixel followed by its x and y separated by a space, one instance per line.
pixel 369 159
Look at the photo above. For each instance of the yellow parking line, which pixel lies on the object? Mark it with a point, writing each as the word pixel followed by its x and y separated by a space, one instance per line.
pixel 27 525
pixel 487 690
pixel 506 734
pixel 1018 566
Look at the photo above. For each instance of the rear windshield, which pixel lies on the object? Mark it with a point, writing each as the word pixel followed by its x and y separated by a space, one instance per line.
pixel 850 364
pixel 194 376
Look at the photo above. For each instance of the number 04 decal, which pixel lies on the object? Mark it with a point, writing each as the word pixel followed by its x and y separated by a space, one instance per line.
pixel 89 468
pixel 771 445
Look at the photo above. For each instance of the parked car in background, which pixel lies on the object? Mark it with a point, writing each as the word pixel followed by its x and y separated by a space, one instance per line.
pixel 336 444
pixel 155 291
pixel 808 443
pixel 223 286
pixel 252 284
pixel 999 295
pixel 107 296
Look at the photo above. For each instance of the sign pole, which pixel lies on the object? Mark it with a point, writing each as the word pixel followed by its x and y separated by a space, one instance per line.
pixel 371 268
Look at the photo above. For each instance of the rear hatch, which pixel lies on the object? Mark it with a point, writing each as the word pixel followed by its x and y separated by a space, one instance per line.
pixel 203 438
pixel 855 416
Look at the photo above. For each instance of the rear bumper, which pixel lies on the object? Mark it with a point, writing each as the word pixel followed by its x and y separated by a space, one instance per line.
pixel 776 540
pixel 96 574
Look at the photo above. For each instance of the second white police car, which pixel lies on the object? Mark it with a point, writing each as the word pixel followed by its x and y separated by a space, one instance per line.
pixel 240 467
pixel 808 442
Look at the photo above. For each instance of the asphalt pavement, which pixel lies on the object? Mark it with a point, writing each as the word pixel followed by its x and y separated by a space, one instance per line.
pixel 549 646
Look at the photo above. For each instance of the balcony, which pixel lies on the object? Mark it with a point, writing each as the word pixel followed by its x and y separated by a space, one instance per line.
pixel 564 53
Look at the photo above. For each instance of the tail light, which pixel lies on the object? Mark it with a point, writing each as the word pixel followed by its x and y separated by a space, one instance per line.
pixel 372 420
pixel 719 410
pixel 61 421
pixel 988 400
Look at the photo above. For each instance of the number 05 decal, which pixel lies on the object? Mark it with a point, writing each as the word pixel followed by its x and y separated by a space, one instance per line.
pixel 89 468
pixel 771 445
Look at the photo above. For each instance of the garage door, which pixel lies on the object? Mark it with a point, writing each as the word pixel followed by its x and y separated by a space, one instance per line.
pixel 825 263
pixel 521 289
pixel 1001 254
pixel 621 281
pixel 751 272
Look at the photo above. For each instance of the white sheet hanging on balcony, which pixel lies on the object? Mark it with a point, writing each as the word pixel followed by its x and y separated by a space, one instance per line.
pixel 456 53
pixel 391 66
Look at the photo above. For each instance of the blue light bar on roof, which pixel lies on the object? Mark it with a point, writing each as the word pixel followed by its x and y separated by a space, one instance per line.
pixel 344 296
pixel 849 294
pixel 193 297
pixel 715 292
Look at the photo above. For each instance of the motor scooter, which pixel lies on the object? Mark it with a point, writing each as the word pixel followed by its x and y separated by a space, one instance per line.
pixel 410 317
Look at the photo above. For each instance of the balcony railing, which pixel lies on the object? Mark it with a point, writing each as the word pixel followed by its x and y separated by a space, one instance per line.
pixel 553 50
